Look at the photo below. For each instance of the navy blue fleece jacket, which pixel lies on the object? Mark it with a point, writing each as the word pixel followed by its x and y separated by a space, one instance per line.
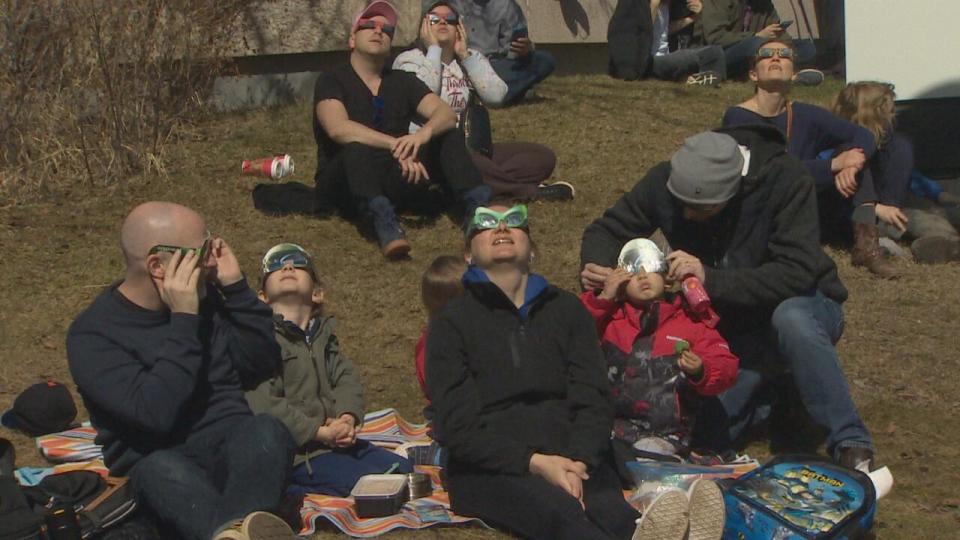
pixel 151 379
pixel 509 382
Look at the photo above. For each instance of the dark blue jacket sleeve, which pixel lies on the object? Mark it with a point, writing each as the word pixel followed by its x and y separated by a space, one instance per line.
pixel 831 132
pixel 252 344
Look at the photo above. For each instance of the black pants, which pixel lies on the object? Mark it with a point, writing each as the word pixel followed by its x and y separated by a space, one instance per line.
pixel 359 173
pixel 533 508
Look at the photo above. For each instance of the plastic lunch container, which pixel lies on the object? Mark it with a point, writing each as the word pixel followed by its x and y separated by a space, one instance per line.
pixel 378 495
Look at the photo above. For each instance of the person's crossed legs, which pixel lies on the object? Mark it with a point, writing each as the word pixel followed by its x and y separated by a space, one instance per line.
pixel 211 481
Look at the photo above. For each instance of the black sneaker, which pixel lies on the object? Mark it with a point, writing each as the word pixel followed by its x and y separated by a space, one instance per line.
pixel 808 77
pixel 557 191
pixel 704 78
pixel 856 457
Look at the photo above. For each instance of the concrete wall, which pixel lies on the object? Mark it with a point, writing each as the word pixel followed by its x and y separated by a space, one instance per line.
pixel 283 44
pixel 298 26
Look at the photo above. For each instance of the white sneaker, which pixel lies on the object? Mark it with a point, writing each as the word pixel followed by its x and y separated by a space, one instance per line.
pixel 707 511
pixel 664 519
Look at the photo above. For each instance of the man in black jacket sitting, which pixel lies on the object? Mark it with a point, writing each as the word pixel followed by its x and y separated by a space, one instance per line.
pixel 159 358
pixel 740 216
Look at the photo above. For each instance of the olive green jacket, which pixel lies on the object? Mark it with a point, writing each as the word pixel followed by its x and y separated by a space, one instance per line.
pixel 721 21
pixel 317 382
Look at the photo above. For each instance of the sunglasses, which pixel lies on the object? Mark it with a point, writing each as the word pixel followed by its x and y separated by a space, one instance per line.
pixel 370 24
pixel 451 19
pixel 279 260
pixel 200 251
pixel 769 52
pixel 485 218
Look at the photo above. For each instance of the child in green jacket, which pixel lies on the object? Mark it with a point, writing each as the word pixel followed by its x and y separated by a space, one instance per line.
pixel 318 395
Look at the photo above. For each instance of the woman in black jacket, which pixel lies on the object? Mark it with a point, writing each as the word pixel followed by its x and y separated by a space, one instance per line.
pixel 522 400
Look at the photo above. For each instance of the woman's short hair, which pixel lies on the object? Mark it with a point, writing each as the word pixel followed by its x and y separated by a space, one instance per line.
pixel 442 282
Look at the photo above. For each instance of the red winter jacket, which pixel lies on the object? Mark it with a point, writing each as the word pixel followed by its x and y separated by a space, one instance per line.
pixel 420 361
pixel 618 323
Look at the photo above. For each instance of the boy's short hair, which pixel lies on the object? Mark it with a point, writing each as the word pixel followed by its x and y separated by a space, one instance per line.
pixel 442 282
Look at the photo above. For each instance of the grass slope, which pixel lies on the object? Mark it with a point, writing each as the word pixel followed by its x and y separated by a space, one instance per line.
pixel 899 348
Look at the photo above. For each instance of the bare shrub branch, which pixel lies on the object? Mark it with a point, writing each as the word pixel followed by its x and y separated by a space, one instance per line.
pixel 94 89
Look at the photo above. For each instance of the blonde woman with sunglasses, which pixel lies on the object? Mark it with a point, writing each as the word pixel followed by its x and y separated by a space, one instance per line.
pixel 844 195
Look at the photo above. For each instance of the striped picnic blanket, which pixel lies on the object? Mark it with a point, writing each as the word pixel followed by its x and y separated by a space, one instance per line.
pixel 72 445
pixel 386 428
pixel 416 514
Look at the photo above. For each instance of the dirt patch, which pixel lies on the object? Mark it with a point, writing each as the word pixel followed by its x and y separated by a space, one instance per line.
pixel 899 347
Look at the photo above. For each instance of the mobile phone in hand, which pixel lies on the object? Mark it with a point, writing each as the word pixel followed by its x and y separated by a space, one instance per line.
pixel 785 24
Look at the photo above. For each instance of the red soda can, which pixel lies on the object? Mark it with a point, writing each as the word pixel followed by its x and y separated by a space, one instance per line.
pixel 274 167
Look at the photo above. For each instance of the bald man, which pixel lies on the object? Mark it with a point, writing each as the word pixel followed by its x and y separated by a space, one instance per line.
pixel 161 359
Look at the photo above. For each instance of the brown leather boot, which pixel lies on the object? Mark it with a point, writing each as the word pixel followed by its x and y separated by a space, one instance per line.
pixel 866 251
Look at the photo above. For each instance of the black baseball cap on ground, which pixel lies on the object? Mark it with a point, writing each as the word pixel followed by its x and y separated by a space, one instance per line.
pixel 41 409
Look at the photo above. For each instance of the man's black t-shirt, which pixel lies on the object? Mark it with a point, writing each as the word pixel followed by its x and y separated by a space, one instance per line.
pixel 390 112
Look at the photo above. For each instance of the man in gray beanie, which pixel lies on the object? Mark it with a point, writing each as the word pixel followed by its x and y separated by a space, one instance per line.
pixel 740 215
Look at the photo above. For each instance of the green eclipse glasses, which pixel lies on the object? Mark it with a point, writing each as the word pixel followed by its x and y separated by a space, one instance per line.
pixel 199 251
pixel 485 218
pixel 769 52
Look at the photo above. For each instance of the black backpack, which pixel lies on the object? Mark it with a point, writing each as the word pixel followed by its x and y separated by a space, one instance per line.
pixel 17 520
pixel 629 39
pixel 99 503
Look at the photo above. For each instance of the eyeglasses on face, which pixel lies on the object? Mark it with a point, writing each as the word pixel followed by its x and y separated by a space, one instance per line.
pixel 370 24
pixel 769 52
pixel 199 251
pixel 451 19
pixel 485 218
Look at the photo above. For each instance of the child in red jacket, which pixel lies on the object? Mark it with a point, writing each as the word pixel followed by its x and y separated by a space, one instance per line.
pixel 441 283
pixel 660 356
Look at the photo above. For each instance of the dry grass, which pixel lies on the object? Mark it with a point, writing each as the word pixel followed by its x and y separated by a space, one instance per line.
pixel 899 349
pixel 93 90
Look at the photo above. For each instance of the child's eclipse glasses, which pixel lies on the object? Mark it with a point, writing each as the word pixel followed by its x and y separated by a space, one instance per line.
pixel 769 52
pixel 278 260
pixel 485 218
pixel 201 251
pixel 642 255
pixel 451 19
pixel 370 24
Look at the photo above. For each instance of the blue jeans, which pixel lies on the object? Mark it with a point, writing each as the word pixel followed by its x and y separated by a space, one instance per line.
pixel 337 471
pixel 218 476
pixel 521 75
pixel 739 54
pixel 675 66
pixel 800 338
